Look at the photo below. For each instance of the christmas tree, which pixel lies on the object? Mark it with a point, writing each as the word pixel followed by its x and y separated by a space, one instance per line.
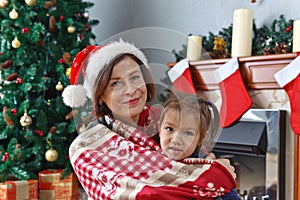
pixel 39 40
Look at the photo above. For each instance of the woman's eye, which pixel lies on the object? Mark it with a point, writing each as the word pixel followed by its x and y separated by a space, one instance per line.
pixel 116 84
pixel 135 77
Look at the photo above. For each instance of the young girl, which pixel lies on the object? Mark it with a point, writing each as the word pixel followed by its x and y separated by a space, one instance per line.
pixel 187 127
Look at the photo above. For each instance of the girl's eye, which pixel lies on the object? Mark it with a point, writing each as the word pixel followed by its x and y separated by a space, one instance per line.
pixel 188 133
pixel 169 129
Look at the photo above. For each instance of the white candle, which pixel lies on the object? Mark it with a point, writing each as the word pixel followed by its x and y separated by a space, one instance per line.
pixel 242 33
pixel 296 36
pixel 194 48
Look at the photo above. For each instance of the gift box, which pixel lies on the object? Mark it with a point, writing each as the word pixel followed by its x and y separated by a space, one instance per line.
pixel 52 187
pixel 19 190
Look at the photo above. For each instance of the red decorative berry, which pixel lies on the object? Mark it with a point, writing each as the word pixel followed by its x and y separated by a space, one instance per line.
pixel 80 36
pixel 19 81
pixel 25 30
pixel 39 132
pixel 5 157
pixel 60 61
pixel 288 29
pixel 13 111
pixel 61 18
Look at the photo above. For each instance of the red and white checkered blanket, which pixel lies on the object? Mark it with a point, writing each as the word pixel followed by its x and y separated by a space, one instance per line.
pixel 127 164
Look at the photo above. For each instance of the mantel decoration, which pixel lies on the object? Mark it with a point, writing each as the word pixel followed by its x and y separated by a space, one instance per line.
pixel 276 39
pixel 242 33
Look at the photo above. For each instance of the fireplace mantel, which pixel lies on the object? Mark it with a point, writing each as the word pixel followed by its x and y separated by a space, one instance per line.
pixel 258 75
pixel 257 71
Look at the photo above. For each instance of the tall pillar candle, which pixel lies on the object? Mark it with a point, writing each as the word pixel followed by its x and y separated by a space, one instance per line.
pixel 194 48
pixel 242 33
pixel 296 36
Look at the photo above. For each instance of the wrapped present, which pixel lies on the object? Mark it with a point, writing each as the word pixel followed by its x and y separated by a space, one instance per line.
pixel 19 190
pixel 52 187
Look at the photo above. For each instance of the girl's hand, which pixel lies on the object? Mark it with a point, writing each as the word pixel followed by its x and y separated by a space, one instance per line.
pixel 223 161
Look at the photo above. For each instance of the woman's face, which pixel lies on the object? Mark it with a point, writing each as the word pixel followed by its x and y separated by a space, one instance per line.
pixel 126 92
pixel 179 136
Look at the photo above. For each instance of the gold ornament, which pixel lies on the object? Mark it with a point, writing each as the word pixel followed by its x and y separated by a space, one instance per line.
pixel 13 14
pixel 68 72
pixel 219 43
pixel 25 120
pixel 59 87
pixel 4 3
pixel 71 29
pixel 16 43
pixel 51 155
pixel 82 128
pixel 30 2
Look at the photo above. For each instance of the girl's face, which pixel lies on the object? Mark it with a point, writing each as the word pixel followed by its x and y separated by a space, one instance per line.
pixel 126 92
pixel 179 135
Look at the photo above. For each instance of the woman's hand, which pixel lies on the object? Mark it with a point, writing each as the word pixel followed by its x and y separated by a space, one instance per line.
pixel 223 161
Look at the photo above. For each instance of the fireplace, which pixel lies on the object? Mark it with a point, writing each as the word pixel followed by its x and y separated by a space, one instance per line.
pixel 256 147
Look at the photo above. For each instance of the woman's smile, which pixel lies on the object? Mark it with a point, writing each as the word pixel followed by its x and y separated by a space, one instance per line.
pixel 133 101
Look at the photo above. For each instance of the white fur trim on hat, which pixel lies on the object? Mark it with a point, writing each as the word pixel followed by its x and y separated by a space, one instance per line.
pixel 74 95
pixel 101 57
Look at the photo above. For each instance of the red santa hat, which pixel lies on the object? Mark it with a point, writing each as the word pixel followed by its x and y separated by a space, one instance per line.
pixel 90 62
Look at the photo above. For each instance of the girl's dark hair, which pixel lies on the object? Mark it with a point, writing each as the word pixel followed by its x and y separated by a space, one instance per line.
pixel 104 77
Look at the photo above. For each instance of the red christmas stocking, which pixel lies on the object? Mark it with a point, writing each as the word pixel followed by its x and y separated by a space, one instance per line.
pixel 181 77
pixel 289 79
pixel 235 98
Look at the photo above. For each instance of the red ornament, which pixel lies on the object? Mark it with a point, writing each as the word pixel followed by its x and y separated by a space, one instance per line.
pixel 288 29
pixel 19 81
pixel 61 18
pixel 13 111
pixel 25 30
pixel 60 61
pixel 80 36
pixel 78 14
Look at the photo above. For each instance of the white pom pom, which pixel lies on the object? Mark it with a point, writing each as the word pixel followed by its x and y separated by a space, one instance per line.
pixel 74 95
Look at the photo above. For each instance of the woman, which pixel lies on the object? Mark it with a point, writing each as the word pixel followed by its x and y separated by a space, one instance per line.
pixel 115 158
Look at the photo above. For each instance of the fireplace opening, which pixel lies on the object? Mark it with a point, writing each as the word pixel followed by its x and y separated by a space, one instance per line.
pixel 255 145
